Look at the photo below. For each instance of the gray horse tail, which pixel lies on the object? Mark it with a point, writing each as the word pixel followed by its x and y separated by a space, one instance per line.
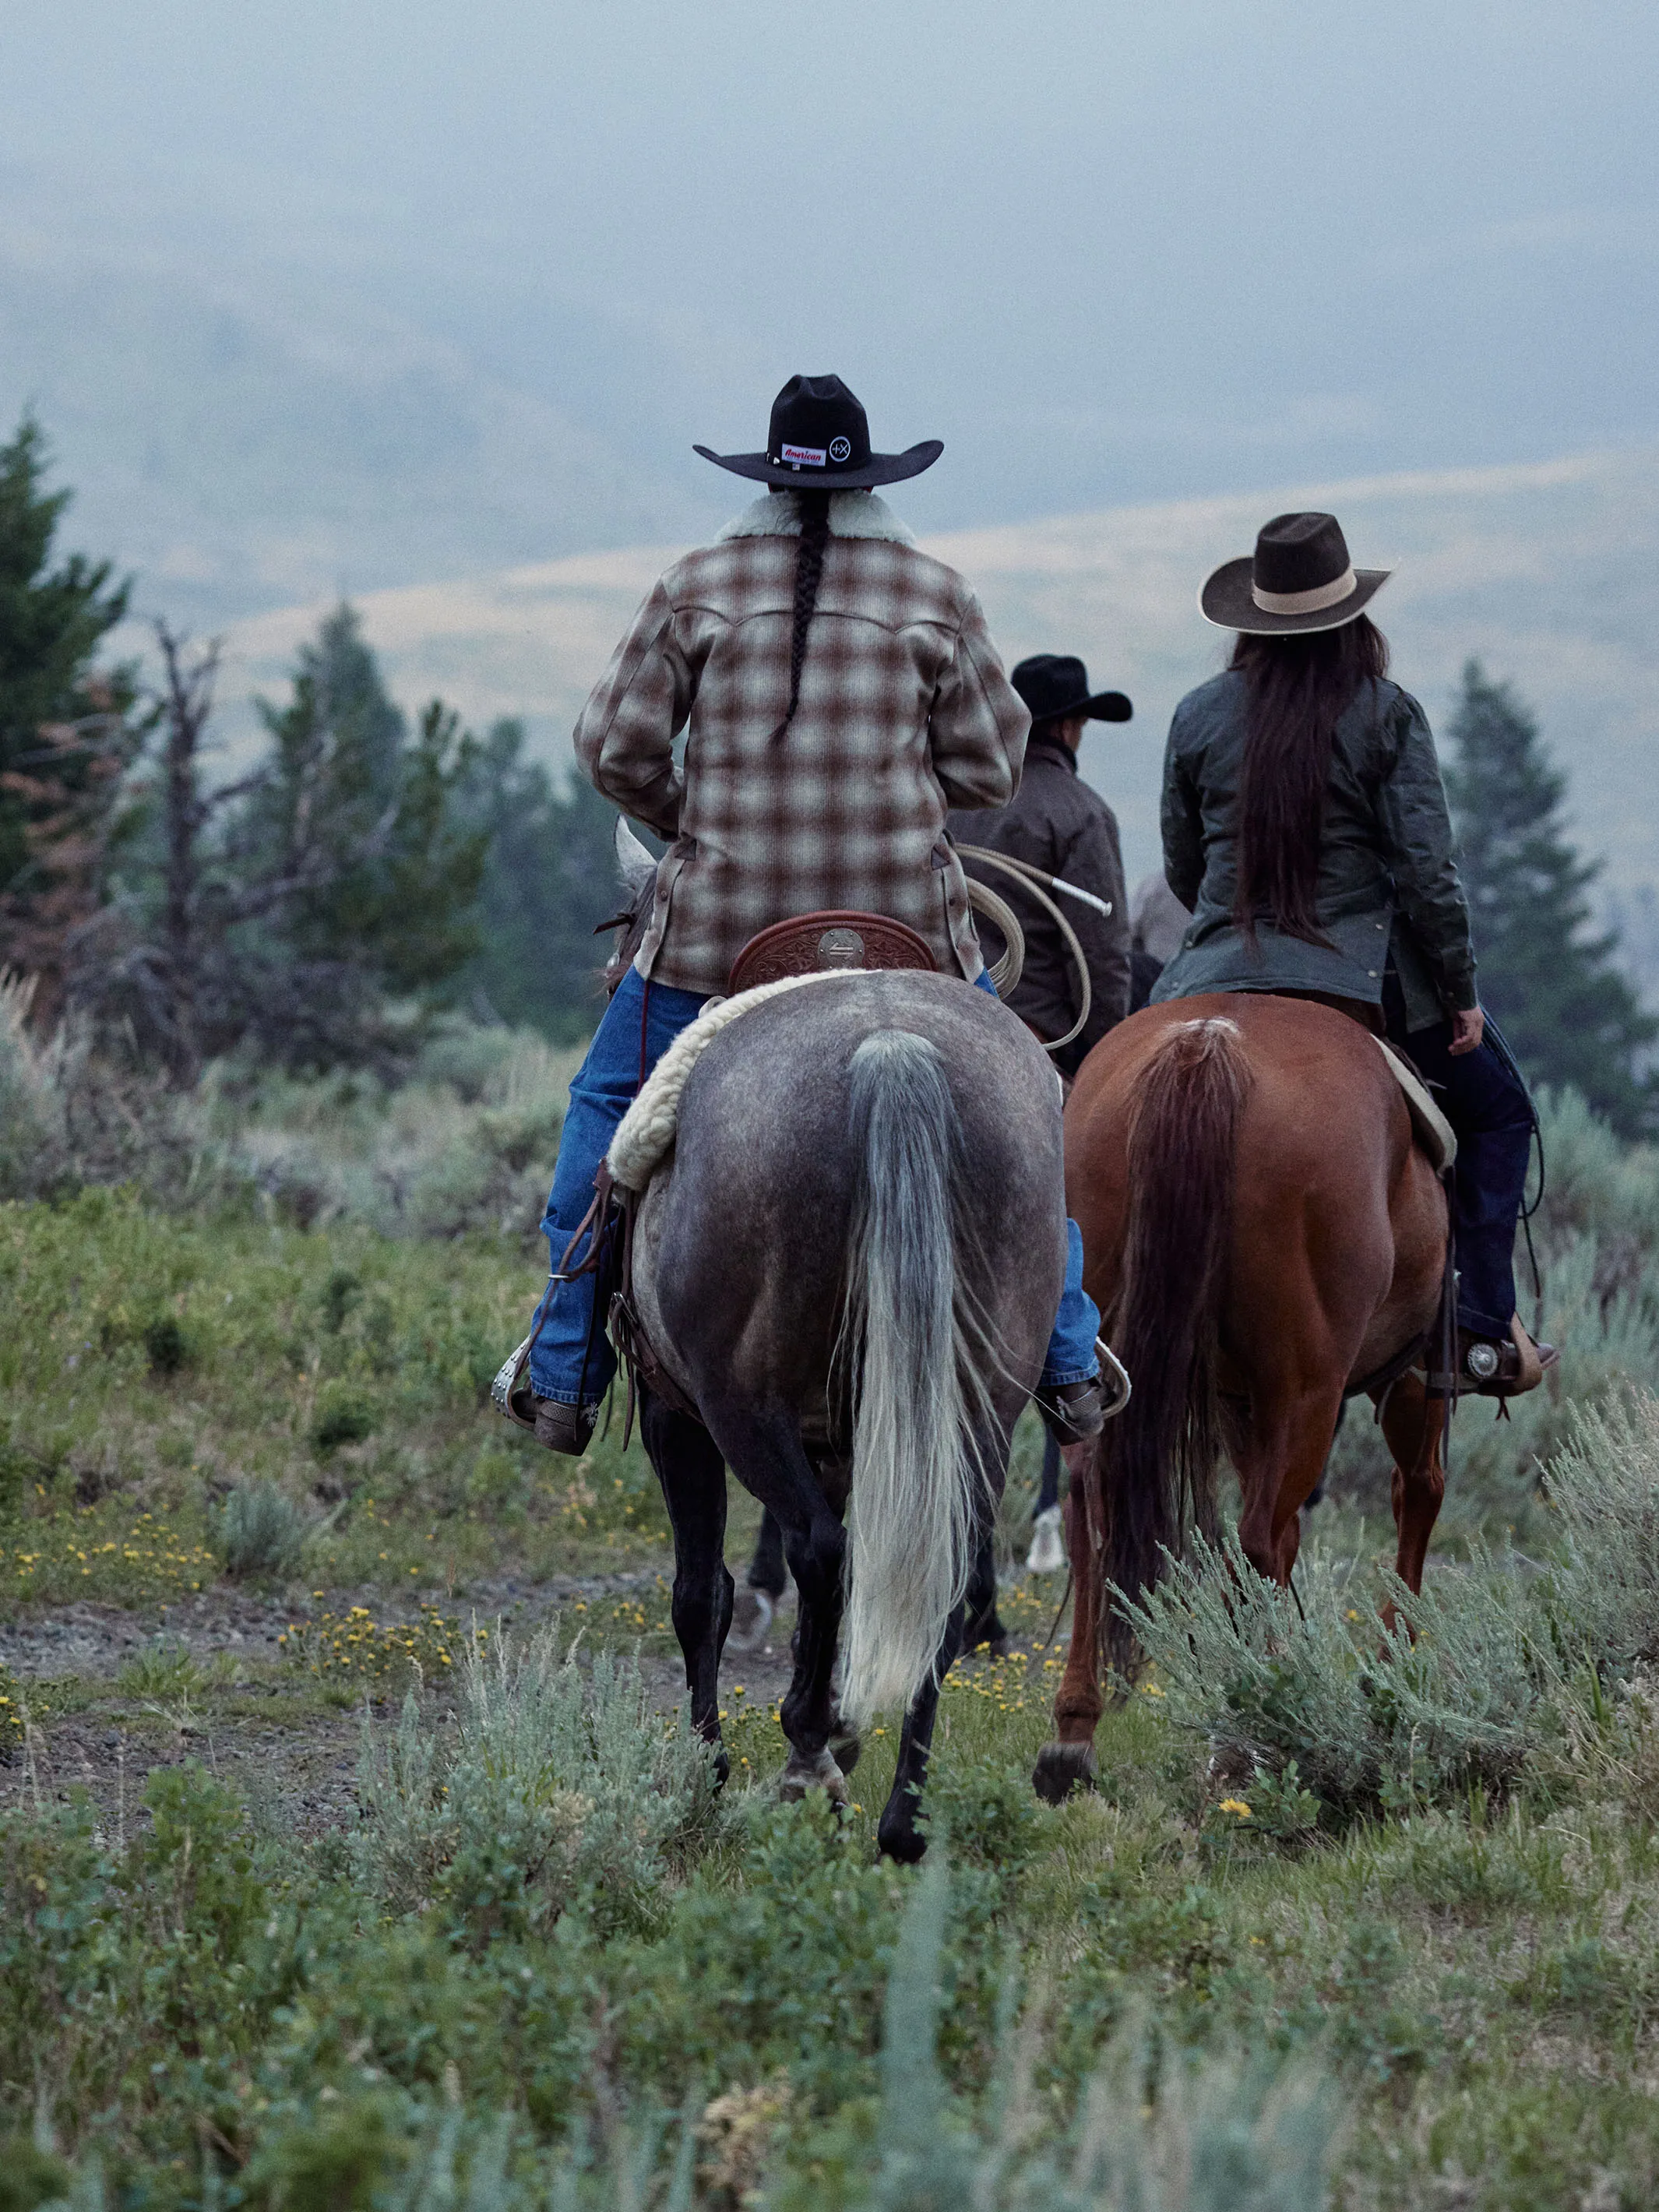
pixel 919 1404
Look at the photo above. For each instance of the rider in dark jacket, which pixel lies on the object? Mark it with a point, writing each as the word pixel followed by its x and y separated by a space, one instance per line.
pixel 1305 823
pixel 1061 824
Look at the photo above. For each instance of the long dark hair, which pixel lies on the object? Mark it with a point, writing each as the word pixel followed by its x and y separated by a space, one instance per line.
pixel 1296 688
pixel 809 569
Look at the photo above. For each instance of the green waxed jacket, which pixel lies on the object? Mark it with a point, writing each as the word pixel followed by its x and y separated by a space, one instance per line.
pixel 1388 881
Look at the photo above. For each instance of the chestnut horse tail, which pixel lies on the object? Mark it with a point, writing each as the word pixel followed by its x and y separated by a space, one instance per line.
pixel 1158 1457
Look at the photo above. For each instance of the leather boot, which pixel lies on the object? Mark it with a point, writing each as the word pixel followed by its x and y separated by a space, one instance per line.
pixel 1073 1411
pixel 564 1428
pixel 1503 1367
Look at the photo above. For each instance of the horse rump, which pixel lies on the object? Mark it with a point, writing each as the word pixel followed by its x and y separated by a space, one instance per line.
pixel 918 1410
pixel 1159 1458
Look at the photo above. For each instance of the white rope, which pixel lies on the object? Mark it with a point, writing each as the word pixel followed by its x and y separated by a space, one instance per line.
pixel 1036 882
pixel 1007 971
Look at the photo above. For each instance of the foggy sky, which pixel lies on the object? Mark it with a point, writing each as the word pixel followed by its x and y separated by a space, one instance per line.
pixel 1105 252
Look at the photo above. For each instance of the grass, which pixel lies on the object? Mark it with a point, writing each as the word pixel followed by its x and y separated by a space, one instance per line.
pixel 1338 1927
pixel 131 1486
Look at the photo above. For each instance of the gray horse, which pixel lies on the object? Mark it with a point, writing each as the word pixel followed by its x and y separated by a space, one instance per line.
pixel 850 1264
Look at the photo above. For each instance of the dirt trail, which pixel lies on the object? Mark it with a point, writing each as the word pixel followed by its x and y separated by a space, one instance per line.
pixel 286 1743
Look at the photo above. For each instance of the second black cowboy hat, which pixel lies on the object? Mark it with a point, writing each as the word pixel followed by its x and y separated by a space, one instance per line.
pixel 1056 687
pixel 1299 577
pixel 819 441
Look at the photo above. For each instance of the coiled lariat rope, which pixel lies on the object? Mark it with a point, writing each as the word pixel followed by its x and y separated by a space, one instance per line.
pixel 1036 883
pixel 1007 972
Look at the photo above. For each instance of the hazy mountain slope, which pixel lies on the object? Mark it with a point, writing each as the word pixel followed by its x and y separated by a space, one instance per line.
pixel 1551 573
pixel 241 443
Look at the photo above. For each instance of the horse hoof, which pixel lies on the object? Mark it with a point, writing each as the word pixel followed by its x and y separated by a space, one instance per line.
pixel 1060 1769
pixel 900 1843
pixel 803 1774
pixel 751 1616
pixel 1047 1554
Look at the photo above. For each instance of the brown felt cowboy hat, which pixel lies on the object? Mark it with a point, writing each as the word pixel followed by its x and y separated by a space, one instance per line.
pixel 1299 577
pixel 819 441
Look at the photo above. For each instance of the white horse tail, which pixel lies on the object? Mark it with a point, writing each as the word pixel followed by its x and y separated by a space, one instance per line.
pixel 916 1460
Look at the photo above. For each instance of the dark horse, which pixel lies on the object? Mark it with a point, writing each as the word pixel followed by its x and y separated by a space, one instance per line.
pixel 850 1263
pixel 1264 1237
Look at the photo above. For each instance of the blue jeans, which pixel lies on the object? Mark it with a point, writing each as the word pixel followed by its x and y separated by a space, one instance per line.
pixel 637 1028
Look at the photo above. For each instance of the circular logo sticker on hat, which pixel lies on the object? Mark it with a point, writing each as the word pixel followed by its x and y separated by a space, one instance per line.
pixel 841 449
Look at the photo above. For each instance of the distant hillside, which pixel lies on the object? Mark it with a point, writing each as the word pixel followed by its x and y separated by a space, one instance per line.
pixel 1550 574
pixel 241 442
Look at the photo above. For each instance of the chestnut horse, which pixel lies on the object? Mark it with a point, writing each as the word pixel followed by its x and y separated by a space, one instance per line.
pixel 1264 1237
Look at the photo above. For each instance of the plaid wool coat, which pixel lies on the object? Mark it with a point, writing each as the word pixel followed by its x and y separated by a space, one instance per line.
pixel 904 712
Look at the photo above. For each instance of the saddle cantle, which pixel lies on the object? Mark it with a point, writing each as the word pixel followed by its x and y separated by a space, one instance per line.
pixel 810 943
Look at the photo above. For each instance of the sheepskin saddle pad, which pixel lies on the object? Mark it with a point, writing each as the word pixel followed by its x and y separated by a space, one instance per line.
pixel 647 1134
pixel 1434 1131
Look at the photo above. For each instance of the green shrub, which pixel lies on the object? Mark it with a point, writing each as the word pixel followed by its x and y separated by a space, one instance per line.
pixel 332 2161
pixel 167 1347
pixel 345 1414
pixel 1266 1679
pixel 557 1786
pixel 262 1532
pixel 29 2176
pixel 1605 1488
pixel 160 1670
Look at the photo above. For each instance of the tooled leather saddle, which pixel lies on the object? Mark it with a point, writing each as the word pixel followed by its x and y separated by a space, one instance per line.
pixel 804 945
pixel 811 943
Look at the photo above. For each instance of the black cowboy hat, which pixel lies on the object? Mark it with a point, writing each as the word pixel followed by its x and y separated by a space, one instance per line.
pixel 1299 577
pixel 1056 687
pixel 819 441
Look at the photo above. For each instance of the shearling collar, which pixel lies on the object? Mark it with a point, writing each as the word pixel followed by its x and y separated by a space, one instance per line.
pixel 851 514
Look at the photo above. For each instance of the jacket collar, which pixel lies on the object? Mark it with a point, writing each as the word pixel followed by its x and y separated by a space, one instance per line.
pixel 851 514
pixel 1052 748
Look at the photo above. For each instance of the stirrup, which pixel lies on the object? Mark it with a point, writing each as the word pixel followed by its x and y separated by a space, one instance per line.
pixel 510 1393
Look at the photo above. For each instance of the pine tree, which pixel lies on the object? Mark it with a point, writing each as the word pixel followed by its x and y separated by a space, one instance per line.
pixel 364 827
pixel 550 879
pixel 1567 1014
pixel 64 737
pixel 284 914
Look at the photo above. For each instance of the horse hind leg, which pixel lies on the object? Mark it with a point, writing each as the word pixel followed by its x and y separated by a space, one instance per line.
pixel 763 1449
pixel 762 1589
pixel 1068 1762
pixel 693 1477
pixel 1280 1451
pixel 897 1833
pixel 1412 1424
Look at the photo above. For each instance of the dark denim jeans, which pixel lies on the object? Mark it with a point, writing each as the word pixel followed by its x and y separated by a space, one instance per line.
pixel 1486 1105
pixel 636 1030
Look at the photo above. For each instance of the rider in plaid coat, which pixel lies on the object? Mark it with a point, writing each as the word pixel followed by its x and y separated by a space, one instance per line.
pixel 903 712
pixel 840 694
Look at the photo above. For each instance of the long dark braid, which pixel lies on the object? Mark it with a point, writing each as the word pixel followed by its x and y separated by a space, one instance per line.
pixel 809 571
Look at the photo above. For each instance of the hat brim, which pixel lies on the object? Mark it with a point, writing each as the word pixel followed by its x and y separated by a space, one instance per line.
pixel 1106 707
pixel 1094 707
pixel 879 469
pixel 1226 601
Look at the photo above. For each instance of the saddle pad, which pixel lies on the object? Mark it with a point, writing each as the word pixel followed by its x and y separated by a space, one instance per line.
pixel 647 1132
pixel 1434 1131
